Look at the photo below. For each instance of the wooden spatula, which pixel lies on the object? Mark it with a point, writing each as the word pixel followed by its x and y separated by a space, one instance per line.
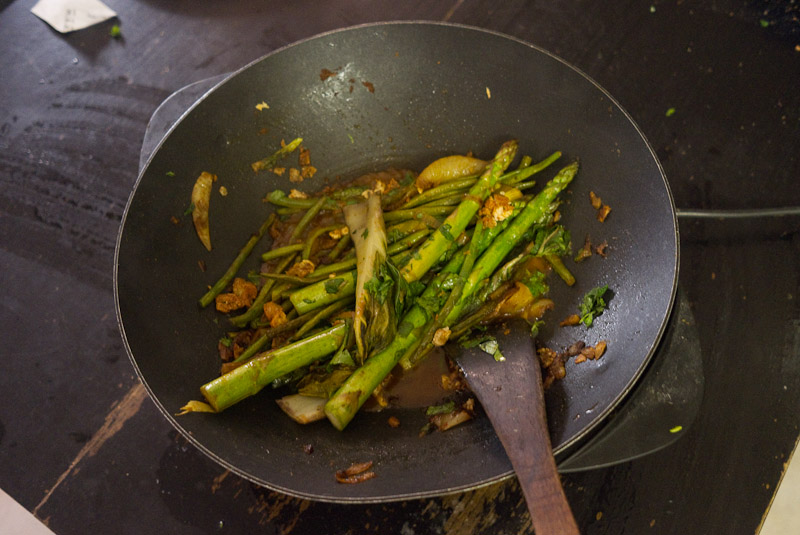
pixel 510 392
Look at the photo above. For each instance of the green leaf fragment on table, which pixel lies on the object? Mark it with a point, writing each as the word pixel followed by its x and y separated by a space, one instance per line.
pixel 670 112
pixel 593 305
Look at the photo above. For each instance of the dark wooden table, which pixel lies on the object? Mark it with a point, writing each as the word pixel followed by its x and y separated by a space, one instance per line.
pixel 83 447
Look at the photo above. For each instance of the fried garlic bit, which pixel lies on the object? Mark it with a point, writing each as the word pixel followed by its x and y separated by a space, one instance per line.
pixel 591 352
pixel 602 209
pixel 384 187
pixel 274 314
pixel 497 208
pixel 242 295
pixel 307 171
pixel 339 232
pixel 441 336
pixel 297 194
pixel 301 269
pixel 304 157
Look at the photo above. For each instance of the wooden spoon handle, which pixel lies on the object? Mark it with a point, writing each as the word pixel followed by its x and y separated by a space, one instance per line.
pixel 511 394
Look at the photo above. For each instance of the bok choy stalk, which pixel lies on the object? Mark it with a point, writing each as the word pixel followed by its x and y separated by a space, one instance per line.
pixel 376 278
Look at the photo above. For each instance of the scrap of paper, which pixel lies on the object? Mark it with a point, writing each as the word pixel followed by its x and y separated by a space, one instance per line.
pixel 70 15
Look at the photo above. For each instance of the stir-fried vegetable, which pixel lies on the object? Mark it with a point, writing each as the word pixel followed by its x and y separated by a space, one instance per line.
pixel 376 279
pixel 381 272
pixel 201 198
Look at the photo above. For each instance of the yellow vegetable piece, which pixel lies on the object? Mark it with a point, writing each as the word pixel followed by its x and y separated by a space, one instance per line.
pixel 201 196
pixel 448 168
pixel 195 406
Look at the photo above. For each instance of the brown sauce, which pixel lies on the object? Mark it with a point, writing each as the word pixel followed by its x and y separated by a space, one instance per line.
pixel 420 387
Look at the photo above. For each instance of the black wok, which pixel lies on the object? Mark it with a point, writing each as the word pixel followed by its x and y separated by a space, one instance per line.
pixel 403 94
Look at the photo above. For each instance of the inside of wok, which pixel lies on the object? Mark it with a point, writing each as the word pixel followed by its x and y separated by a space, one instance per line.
pixel 364 99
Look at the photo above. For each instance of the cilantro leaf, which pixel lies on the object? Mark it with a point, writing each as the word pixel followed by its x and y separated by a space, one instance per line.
pixel 379 288
pixel 593 305
pixel 537 284
pixel 555 240
pixel 444 408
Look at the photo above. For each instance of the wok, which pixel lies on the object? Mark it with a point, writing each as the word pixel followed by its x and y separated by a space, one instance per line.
pixel 401 94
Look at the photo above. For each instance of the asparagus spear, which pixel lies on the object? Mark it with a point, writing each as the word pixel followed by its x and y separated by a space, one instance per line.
pixel 228 276
pixel 261 370
pixel 270 161
pixel 536 212
pixel 430 251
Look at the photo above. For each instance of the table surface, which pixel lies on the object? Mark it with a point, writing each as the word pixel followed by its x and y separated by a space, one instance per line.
pixel 83 447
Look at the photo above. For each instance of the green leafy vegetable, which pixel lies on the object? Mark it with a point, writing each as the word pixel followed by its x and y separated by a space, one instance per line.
pixel 537 283
pixel 593 305
pixel 554 240
pixel 377 284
